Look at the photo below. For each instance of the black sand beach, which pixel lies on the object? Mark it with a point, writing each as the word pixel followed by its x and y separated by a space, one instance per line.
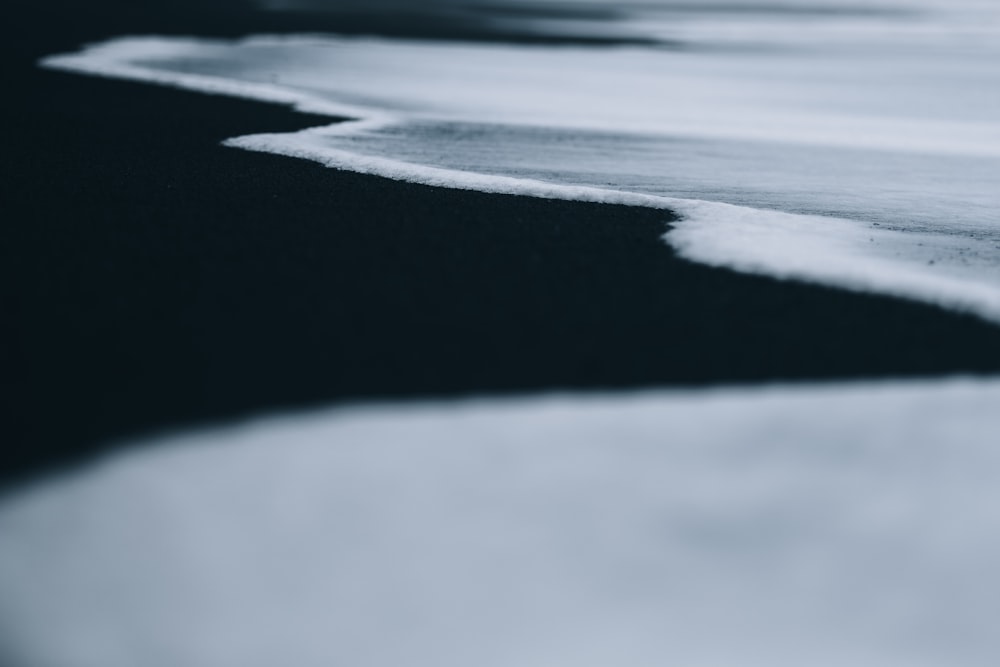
pixel 153 279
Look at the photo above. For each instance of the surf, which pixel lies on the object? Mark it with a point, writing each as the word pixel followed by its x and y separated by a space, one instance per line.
pixel 868 167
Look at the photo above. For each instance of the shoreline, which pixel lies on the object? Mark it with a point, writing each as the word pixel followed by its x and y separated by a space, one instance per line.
pixel 156 280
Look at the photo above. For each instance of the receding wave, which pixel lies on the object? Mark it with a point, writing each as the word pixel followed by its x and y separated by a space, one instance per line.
pixel 872 166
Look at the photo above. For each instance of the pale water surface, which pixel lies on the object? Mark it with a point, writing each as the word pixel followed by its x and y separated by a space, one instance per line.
pixel 775 527
pixel 876 126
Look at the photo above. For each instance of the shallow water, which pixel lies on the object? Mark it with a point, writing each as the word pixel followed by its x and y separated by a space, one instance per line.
pixel 779 527
pixel 878 124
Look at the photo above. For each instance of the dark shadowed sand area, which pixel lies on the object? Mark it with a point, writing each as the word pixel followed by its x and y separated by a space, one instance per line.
pixel 153 279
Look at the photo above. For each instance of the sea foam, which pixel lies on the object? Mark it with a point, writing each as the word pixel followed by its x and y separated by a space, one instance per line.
pixel 872 165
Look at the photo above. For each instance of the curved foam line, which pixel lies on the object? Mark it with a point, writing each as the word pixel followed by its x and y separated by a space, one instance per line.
pixel 783 245
pixel 110 59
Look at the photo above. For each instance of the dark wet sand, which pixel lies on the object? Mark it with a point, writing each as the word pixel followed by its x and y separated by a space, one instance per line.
pixel 152 279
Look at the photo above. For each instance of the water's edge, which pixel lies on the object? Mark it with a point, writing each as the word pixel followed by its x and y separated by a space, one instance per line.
pixel 783 245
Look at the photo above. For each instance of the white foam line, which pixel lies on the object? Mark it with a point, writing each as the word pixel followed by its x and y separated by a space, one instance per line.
pixel 744 239
pixel 110 60
pixel 721 235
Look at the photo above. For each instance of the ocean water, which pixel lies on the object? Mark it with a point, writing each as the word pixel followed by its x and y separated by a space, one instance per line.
pixel 852 145
pixel 856 145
